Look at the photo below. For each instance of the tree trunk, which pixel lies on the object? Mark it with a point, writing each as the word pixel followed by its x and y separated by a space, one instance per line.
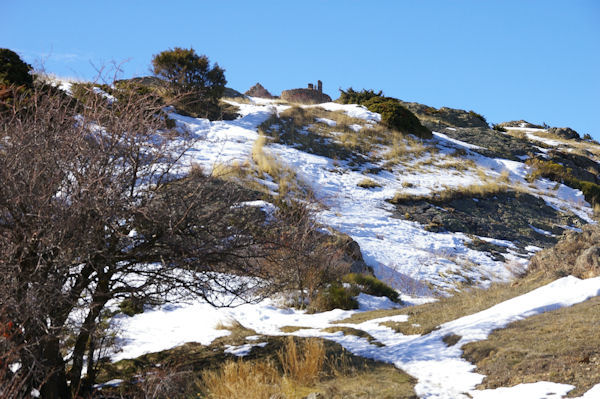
pixel 55 384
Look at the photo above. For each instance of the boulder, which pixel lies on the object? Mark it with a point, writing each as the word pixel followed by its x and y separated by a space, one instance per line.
pixel 565 132
pixel 259 91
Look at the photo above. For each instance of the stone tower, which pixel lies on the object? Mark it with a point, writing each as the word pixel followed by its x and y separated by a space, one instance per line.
pixel 320 86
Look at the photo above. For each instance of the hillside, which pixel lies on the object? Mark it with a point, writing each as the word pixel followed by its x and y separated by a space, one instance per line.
pixel 462 209
pixel 444 211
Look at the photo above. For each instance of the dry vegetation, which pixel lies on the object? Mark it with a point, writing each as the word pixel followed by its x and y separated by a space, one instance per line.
pixel 287 368
pixel 485 189
pixel 561 346
pixel 368 183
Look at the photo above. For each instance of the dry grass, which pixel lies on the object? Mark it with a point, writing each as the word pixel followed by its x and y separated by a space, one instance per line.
pixel 425 318
pixel 561 346
pixel 243 380
pixel 260 374
pixel 485 189
pixel 304 364
pixel 265 162
pixel 368 183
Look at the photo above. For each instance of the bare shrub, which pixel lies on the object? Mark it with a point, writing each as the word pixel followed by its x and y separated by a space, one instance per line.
pixel 91 210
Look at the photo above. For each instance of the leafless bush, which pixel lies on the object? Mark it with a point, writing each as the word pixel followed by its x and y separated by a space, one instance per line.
pixel 92 210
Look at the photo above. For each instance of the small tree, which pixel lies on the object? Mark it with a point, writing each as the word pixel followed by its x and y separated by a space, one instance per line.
pixel 191 74
pixel 91 213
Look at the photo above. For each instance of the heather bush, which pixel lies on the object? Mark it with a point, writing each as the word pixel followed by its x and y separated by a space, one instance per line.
pixel 352 96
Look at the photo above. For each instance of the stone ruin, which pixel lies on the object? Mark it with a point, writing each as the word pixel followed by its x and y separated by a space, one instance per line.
pixel 311 95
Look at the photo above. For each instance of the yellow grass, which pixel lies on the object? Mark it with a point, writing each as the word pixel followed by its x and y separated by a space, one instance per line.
pixel 302 364
pixel 243 380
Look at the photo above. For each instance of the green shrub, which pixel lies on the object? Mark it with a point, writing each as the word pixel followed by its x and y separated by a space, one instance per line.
pixel 498 128
pixel 131 306
pixel 476 115
pixel 395 116
pixel 558 173
pixel 192 80
pixel 372 286
pixel 13 70
pixel 352 96
pixel 591 191
pixel 335 296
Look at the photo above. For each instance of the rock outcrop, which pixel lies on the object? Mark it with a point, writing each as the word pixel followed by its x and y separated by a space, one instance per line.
pixel 565 132
pixel 577 253
pixel 259 91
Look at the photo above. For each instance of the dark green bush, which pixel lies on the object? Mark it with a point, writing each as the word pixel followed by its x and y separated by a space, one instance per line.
pixel 131 306
pixel 476 115
pixel 498 128
pixel 352 96
pixel 193 82
pixel 395 116
pixel 558 173
pixel 13 70
pixel 335 296
pixel 591 191
pixel 372 286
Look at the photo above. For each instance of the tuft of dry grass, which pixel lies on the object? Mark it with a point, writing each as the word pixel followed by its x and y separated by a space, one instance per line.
pixel 243 380
pixel 368 183
pixel 265 162
pixel 485 189
pixel 302 364
pixel 561 346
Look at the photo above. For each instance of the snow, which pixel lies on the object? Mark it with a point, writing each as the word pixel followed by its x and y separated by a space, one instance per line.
pixel 401 252
pixel 541 231
pixel 355 127
pixel 329 122
pixel 243 350
pixel 440 370
pixel 443 137
pixel 353 110
pixel 369 302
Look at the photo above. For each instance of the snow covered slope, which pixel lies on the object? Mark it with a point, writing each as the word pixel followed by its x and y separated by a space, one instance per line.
pixel 401 251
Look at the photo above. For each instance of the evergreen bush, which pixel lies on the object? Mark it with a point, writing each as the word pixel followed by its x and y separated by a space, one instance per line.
pixel 372 286
pixel 13 70
pixel 191 78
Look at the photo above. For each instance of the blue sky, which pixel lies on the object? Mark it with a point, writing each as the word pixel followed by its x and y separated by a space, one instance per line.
pixel 533 60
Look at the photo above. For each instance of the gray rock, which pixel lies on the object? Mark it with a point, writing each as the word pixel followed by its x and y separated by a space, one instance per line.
pixel 589 259
pixel 565 132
